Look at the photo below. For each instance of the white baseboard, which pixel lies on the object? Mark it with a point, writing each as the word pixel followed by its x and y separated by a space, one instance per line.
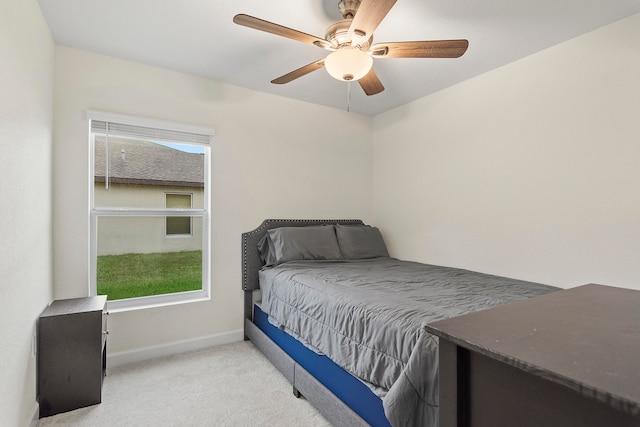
pixel 36 416
pixel 147 353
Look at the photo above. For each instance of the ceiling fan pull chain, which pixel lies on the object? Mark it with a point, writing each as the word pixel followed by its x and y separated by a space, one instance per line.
pixel 348 95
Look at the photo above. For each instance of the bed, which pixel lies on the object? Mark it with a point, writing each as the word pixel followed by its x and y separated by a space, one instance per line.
pixel 345 322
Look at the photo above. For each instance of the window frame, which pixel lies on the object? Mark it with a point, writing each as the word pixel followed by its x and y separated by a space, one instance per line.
pixel 96 212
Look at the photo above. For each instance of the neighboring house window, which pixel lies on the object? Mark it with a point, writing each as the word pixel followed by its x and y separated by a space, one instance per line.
pixel 150 184
pixel 178 225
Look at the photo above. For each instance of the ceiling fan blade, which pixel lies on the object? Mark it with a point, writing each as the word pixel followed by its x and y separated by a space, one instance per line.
pixel 371 84
pixel 279 30
pixel 302 71
pixel 423 49
pixel 369 15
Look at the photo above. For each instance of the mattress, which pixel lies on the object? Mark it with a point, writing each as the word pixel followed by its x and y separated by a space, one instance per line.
pixel 368 316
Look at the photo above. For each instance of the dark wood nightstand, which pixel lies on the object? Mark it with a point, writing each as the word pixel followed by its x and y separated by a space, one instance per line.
pixel 72 350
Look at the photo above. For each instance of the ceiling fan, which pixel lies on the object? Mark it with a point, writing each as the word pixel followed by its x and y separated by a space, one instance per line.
pixel 351 43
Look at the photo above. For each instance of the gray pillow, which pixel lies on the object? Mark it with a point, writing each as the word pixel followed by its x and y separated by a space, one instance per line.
pixel 360 242
pixel 267 252
pixel 299 243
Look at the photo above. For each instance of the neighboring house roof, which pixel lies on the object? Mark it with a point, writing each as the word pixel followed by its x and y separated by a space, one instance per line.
pixel 143 162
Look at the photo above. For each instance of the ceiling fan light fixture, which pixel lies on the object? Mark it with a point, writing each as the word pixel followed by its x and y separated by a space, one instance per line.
pixel 348 63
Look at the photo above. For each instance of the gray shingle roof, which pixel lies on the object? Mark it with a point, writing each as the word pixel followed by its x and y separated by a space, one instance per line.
pixel 143 162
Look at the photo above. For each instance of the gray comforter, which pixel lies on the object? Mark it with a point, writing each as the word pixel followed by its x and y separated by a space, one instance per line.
pixel 368 316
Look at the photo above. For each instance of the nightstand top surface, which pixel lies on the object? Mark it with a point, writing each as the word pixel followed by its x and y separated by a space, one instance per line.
pixel 75 305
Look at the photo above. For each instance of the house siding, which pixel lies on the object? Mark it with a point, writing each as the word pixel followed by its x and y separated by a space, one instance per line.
pixel 121 235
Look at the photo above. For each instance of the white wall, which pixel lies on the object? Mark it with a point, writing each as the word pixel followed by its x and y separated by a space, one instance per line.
pixel 26 89
pixel 272 157
pixel 530 171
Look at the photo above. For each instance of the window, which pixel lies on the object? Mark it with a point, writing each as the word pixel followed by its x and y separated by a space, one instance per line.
pixel 149 211
pixel 178 225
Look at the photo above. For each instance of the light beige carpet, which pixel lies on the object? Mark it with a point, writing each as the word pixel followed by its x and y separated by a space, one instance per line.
pixel 229 385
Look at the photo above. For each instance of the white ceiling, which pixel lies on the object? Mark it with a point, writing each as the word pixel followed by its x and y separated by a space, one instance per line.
pixel 198 37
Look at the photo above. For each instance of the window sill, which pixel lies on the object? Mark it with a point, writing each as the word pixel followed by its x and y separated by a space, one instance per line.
pixel 156 301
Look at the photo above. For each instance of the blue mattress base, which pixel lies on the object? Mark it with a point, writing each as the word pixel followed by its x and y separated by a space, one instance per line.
pixel 345 386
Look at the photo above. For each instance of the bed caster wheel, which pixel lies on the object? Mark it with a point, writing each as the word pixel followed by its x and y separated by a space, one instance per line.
pixel 297 393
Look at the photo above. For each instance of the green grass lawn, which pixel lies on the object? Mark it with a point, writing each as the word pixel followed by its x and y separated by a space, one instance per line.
pixel 138 275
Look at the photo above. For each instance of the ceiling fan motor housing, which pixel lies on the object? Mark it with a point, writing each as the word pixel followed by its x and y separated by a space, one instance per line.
pixel 337 35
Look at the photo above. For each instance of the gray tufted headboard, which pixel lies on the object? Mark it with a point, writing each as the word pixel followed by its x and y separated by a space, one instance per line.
pixel 251 261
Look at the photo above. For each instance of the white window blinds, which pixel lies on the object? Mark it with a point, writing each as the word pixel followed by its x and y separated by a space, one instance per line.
pixel 132 131
pixel 120 125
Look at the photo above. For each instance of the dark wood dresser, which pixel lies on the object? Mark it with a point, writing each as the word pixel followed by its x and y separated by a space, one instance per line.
pixel 72 349
pixel 566 359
